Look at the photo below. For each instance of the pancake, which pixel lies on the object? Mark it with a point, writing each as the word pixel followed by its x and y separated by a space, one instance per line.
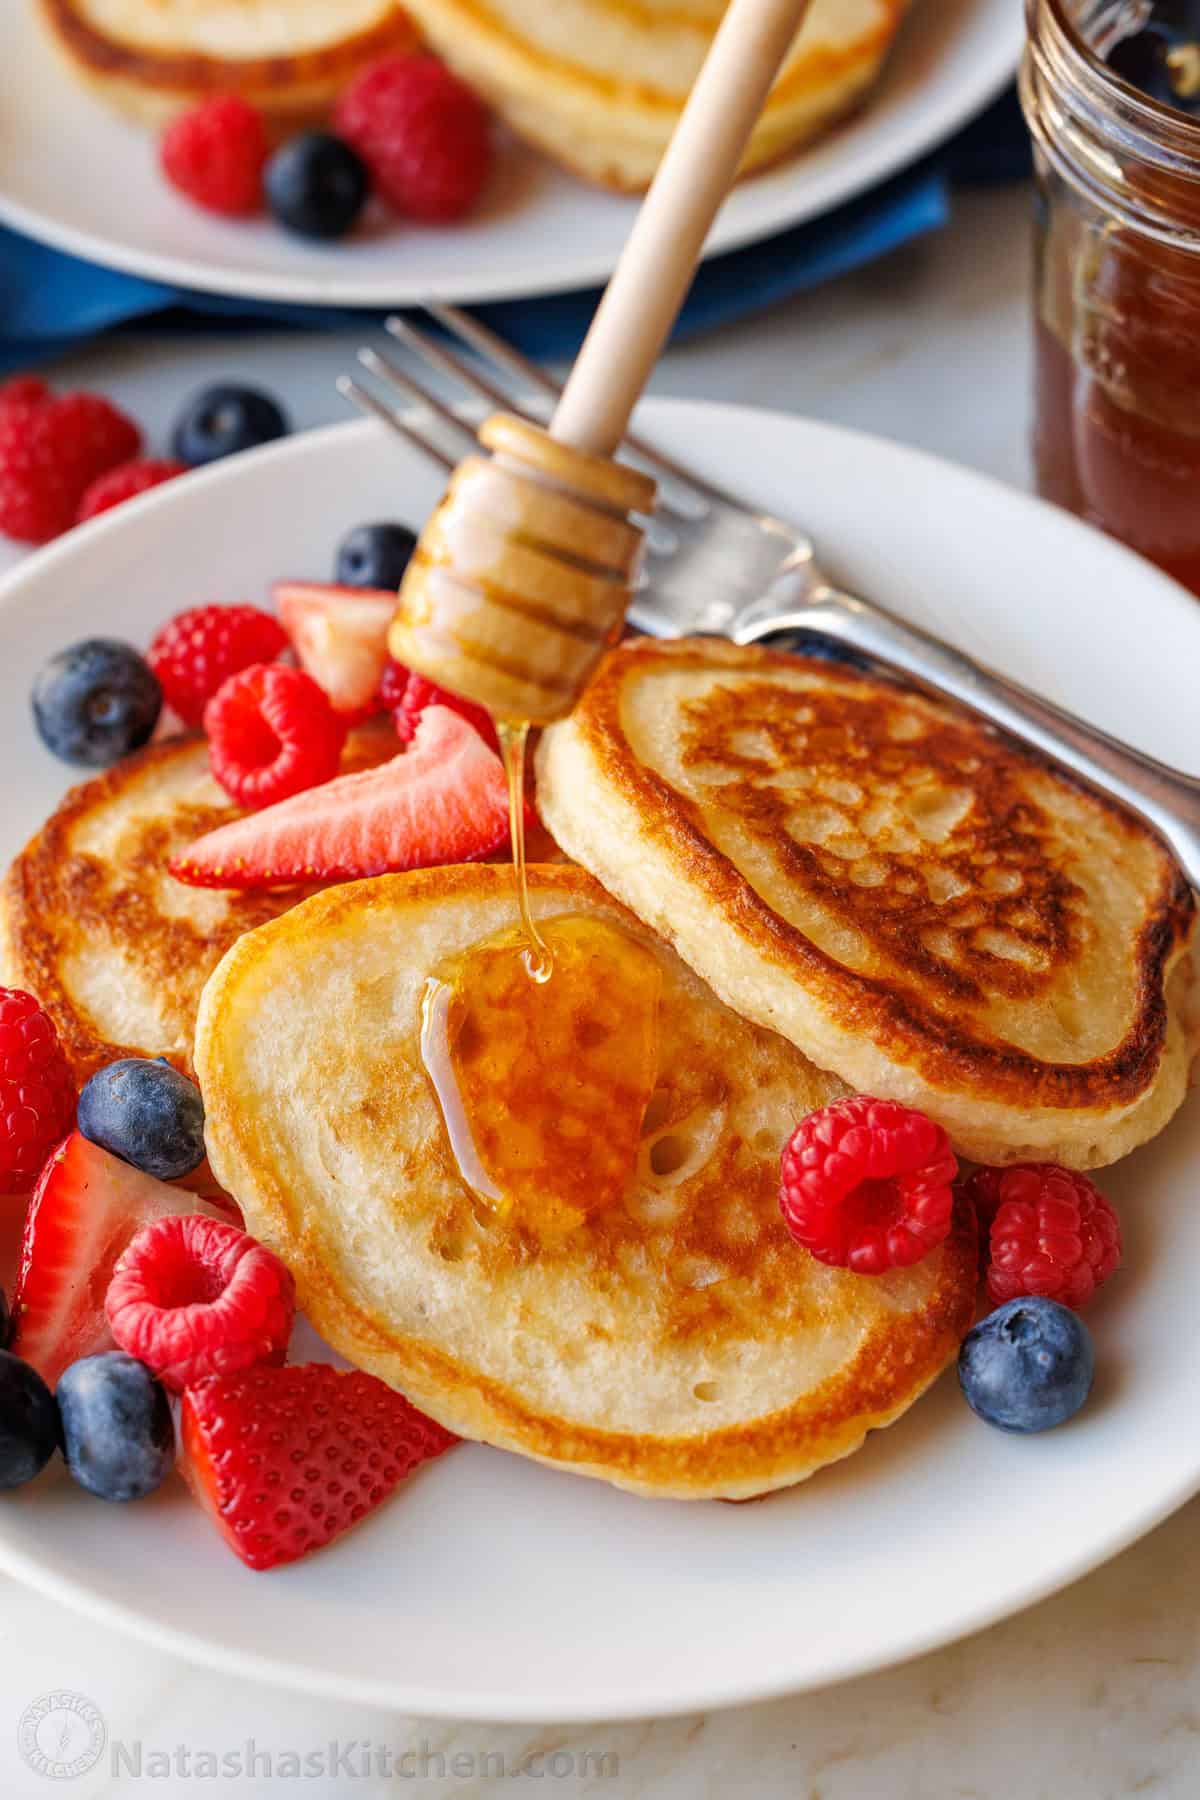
pixel 600 84
pixel 909 898
pixel 291 58
pixel 676 1343
pixel 91 922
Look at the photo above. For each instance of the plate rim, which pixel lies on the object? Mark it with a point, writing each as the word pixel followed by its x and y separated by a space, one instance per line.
pixel 499 1705
pixel 918 134
pixel 510 1708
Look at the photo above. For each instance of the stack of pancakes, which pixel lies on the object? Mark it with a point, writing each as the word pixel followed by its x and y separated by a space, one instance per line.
pixel 599 84
pixel 846 885
pixel 291 58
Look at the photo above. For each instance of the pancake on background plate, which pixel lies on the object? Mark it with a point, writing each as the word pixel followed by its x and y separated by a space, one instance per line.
pixel 600 84
pixel 290 58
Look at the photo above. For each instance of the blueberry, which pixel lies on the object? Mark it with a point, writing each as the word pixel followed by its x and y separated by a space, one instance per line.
pixel 118 1437
pixel 28 1422
pixel 219 421
pixel 95 702
pixel 146 1113
pixel 375 556
pixel 1028 1366
pixel 316 185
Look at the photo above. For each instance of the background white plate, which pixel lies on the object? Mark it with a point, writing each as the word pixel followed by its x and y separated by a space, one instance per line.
pixel 83 179
pixel 491 1588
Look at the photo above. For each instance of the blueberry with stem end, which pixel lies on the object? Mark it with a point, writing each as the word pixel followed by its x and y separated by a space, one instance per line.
pixel 95 702
pixel 117 1431
pixel 1028 1366
pixel 220 421
pixel 146 1113
pixel 316 185
pixel 375 556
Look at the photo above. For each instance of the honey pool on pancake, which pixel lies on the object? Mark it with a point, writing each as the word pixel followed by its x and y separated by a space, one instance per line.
pixel 542 1046
pixel 543 1086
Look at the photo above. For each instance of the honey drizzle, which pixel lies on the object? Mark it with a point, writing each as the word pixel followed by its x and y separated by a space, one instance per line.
pixel 513 737
pixel 437 1055
pixel 542 1098
pixel 543 1090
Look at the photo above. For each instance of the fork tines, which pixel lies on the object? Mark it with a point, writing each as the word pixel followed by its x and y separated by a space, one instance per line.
pixel 445 433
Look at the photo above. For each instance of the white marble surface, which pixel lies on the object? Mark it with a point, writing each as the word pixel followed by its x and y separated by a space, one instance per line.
pixel 1094 1694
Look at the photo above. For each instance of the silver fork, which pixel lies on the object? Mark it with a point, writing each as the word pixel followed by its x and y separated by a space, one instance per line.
pixel 715 565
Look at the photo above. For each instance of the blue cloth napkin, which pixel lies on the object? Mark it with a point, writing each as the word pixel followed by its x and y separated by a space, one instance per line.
pixel 50 302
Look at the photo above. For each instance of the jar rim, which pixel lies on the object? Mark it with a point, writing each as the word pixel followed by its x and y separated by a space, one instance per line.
pixel 1096 129
pixel 1156 113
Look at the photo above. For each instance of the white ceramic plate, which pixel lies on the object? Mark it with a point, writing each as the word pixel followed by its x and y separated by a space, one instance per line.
pixel 495 1589
pixel 85 180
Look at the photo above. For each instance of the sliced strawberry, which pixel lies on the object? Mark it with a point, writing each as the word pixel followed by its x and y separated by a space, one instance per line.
pixel 444 800
pixel 418 695
pixel 286 1460
pixel 340 637
pixel 85 1209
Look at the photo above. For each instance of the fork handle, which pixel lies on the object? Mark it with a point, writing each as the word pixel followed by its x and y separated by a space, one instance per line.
pixel 1166 798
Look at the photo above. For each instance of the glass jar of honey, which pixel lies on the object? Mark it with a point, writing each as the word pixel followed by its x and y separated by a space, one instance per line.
pixel 1117 306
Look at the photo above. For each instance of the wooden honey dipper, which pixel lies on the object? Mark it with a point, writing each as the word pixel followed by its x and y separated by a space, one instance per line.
pixel 523 573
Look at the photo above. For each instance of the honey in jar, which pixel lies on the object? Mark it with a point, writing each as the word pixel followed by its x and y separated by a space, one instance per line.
pixel 1111 89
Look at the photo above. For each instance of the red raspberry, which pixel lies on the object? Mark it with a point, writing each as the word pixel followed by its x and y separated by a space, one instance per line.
pixel 102 435
pixel 197 651
pixel 39 484
pixel 867 1184
pixel 982 1190
pixel 192 1297
pixel 215 154
pixel 422 133
pixel 37 1093
pixel 1053 1234
pixel 126 482
pixel 51 450
pixel 23 390
pixel 415 694
pixel 272 733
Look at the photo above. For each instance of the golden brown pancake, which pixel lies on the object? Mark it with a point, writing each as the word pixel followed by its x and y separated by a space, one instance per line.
pixel 290 58
pixel 600 84
pixel 91 921
pixel 911 899
pixel 678 1341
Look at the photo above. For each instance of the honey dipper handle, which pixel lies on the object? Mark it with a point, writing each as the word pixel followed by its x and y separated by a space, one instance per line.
pixel 648 287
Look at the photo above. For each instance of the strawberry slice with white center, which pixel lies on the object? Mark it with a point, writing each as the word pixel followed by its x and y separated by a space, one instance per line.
pixel 339 635
pixel 85 1209
pixel 443 800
